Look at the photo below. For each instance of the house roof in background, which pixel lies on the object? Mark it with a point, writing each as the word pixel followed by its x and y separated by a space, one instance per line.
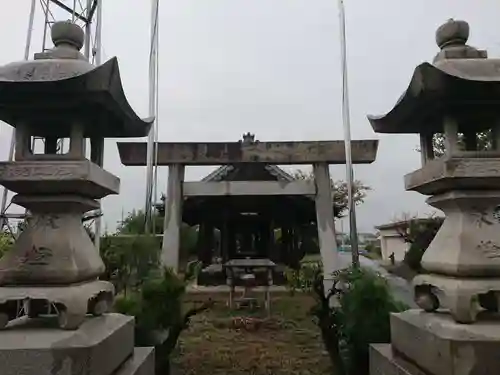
pixel 402 223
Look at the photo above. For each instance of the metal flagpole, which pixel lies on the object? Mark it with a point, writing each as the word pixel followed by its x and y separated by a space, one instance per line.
pixel 97 52
pixel 152 112
pixel 353 233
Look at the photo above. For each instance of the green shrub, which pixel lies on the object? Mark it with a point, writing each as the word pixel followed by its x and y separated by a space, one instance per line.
pixel 129 259
pixel 6 243
pixel 354 314
pixel 160 317
pixel 301 279
pixel 364 313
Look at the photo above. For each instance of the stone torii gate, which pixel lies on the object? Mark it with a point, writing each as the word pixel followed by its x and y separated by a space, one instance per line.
pixel 318 153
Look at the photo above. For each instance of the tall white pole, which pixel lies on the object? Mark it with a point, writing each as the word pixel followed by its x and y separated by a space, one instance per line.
pixel 155 156
pixel 87 49
pixel 29 34
pixel 353 233
pixel 98 34
pixel 152 112
pixel 98 61
pixel 27 49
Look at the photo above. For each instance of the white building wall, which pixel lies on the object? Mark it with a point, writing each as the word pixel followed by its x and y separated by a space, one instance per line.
pixel 391 242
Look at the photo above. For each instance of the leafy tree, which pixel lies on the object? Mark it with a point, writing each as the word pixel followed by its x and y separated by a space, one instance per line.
pixel 133 223
pixel 159 313
pixel 340 192
pixel 484 140
pixel 129 259
pixel 6 242
pixel 419 233
pixel 359 316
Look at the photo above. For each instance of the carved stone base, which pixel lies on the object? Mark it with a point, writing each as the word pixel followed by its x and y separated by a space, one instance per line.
pixel 464 297
pixel 468 242
pixel 55 247
pixel 70 303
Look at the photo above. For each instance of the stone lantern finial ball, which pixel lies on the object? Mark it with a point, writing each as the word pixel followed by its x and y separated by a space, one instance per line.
pixel 66 32
pixel 452 32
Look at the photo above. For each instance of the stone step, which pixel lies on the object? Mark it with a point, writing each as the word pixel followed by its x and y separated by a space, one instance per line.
pixel 142 362
pixel 383 361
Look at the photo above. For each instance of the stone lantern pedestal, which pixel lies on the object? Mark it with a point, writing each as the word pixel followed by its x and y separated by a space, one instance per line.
pixel 463 260
pixel 458 329
pixel 54 263
pixel 54 310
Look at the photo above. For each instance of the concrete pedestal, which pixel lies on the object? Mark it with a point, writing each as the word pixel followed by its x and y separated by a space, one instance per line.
pixel 101 346
pixel 424 343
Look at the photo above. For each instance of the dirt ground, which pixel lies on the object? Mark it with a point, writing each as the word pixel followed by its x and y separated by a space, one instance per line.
pixel 218 342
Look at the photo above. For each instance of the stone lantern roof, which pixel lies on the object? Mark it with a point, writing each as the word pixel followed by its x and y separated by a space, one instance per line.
pixel 60 86
pixel 461 82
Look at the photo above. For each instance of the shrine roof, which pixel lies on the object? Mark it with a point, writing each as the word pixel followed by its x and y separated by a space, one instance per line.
pixel 224 170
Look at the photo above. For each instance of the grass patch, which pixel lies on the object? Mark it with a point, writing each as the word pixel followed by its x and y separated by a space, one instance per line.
pixel 287 343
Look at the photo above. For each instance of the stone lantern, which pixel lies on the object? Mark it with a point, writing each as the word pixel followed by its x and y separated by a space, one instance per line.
pixel 60 95
pixel 458 95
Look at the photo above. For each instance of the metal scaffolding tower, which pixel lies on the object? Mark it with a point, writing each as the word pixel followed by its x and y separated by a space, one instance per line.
pixel 88 15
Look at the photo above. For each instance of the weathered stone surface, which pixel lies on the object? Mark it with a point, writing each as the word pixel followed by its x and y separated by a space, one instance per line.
pixel 383 361
pixel 53 249
pixel 468 242
pixel 58 177
pixel 55 204
pixel 464 297
pixel 246 188
pixel 456 173
pixel 71 303
pixel 99 347
pixel 216 153
pixel 441 346
pixel 173 218
pixel 142 362
pixel 326 225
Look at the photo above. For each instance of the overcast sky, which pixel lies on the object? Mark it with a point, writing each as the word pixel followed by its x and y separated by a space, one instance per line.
pixel 270 67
